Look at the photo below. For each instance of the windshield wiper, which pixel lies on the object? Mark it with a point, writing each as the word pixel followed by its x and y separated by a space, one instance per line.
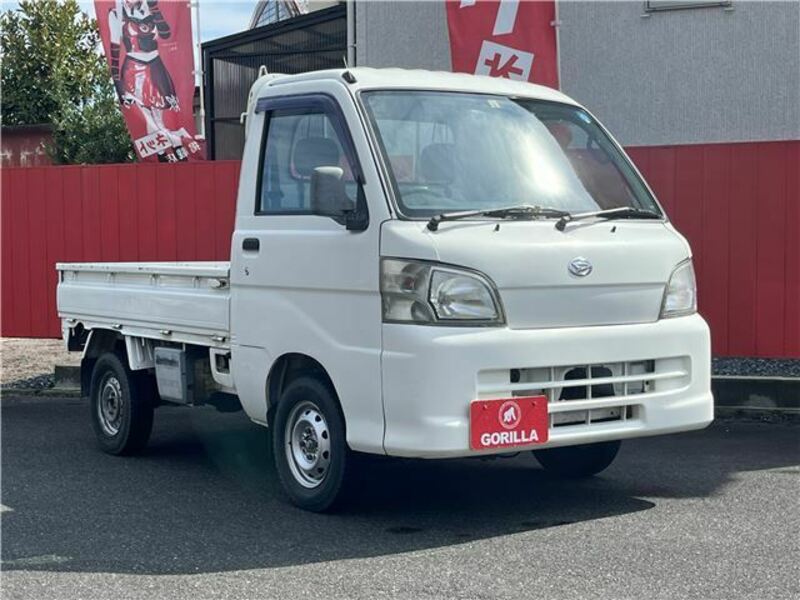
pixel 523 211
pixel 623 212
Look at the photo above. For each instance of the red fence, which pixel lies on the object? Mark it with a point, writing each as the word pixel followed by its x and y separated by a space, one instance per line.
pixel 739 207
pixel 135 212
pixel 738 204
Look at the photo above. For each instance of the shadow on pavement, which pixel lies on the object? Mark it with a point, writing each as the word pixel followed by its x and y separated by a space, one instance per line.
pixel 205 498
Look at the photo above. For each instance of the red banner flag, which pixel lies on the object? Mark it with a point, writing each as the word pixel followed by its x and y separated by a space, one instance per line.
pixel 504 38
pixel 148 45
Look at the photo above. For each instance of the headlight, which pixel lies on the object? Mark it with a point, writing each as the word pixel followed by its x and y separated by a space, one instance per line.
pixel 421 292
pixel 680 297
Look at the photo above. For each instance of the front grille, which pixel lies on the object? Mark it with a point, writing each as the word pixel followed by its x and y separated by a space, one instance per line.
pixel 590 393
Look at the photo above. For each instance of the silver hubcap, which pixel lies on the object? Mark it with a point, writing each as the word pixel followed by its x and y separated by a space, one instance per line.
pixel 308 444
pixel 109 408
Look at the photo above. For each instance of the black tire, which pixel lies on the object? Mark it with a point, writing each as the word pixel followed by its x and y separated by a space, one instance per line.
pixel 126 429
pixel 319 483
pixel 578 461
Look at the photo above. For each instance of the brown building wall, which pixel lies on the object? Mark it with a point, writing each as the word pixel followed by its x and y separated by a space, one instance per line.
pixel 24 146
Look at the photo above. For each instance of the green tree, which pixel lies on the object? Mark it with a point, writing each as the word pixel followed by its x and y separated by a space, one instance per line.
pixel 93 132
pixel 52 72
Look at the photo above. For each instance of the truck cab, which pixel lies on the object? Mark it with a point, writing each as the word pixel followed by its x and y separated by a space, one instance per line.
pixel 424 265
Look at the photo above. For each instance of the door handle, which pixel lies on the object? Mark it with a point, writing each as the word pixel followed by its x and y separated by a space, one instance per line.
pixel 251 244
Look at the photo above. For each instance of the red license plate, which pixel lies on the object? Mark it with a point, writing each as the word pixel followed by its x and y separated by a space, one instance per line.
pixel 508 422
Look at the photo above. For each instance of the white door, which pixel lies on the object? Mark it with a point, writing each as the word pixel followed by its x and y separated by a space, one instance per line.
pixel 303 283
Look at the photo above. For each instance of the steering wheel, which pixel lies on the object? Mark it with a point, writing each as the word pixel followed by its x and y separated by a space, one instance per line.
pixel 436 191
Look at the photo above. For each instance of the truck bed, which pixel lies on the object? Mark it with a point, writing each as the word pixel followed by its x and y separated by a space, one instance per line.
pixel 177 301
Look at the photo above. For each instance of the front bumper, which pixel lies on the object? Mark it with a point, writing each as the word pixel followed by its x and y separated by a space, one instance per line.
pixel 431 374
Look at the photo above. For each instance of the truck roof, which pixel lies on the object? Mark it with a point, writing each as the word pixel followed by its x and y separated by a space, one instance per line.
pixel 393 78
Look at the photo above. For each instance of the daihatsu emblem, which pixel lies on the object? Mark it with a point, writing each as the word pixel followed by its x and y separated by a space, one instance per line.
pixel 580 267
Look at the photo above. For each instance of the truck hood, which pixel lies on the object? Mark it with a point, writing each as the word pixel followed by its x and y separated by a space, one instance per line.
pixel 631 262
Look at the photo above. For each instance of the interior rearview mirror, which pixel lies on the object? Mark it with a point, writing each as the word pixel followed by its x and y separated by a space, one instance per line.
pixel 328 196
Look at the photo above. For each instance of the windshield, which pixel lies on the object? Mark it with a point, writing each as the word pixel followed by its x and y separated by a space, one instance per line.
pixel 450 151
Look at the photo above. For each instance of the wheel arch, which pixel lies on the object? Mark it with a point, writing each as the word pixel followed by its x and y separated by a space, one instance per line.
pixel 98 343
pixel 288 367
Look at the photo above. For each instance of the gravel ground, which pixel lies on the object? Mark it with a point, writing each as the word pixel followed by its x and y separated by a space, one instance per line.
pixel 29 363
pixel 762 367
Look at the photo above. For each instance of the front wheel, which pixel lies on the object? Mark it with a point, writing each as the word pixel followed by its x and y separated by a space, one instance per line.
pixel 309 447
pixel 578 461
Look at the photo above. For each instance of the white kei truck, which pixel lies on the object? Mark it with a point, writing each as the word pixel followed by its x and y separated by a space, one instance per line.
pixel 424 265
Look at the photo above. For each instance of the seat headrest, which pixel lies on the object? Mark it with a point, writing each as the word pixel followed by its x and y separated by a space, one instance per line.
pixel 312 152
pixel 437 163
pixel 561 132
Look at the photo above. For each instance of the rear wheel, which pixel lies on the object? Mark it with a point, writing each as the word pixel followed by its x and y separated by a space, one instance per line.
pixel 578 461
pixel 311 454
pixel 121 403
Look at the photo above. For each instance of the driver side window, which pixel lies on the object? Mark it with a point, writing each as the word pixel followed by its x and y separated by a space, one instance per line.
pixel 295 143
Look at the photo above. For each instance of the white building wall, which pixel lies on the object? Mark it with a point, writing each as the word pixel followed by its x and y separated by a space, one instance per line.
pixel 684 76
pixel 405 33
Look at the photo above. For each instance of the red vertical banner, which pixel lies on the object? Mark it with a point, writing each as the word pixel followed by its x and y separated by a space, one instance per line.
pixel 515 39
pixel 149 48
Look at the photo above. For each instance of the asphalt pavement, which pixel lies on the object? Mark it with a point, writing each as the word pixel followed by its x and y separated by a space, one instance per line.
pixel 710 514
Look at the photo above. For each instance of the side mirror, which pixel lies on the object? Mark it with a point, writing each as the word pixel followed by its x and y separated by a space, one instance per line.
pixel 328 196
